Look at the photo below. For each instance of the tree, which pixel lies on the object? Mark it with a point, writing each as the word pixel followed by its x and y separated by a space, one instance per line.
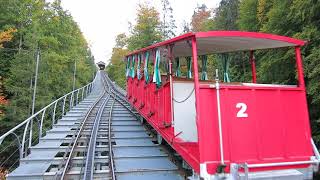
pixel 116 66
pixel 168 23
pixel 147 29
pixel 121 40
pixel 248 15
pixel 6 36
pixel 201 19
pixel 263 8
pixel 116 69
pixel 185 27
pixel 227 15
pixel 275 22
pixel 51 29
pixel 44 26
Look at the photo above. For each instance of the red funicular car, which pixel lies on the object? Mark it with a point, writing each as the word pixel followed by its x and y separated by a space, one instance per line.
pixel 223 129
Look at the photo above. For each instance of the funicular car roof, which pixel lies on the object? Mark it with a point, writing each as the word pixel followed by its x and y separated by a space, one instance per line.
pixel 224 41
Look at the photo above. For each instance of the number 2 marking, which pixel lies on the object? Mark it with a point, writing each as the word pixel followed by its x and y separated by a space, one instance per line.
pixel 242 112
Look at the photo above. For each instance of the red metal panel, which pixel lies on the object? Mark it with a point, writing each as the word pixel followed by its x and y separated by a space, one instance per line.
pixel 140 94
pixel 163 113
pixel 161 107
pixel 129 89
pixel 153 98
pixel 276 129
pixel 156 106
pixel 143 90
pixel 167 103
pixel 209 147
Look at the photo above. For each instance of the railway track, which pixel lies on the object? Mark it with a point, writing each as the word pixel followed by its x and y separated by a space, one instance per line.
pixel 111 143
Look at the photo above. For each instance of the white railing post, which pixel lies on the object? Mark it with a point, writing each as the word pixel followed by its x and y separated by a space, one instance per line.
pixel 24 136
pixel 82 93
pixel 30 135
pixel 87 87
pixel 64 105
pixel 54 112
pixel 71 99
pixel 41 123
pixel 77 96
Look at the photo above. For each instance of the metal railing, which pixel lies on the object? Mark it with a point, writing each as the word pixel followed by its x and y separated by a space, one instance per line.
pixel 57 107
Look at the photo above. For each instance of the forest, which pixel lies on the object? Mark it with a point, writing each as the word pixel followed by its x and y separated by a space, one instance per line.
pixel 293 18
pixel 31 28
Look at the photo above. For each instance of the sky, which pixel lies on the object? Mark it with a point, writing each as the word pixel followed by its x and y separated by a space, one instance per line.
pixel 102 20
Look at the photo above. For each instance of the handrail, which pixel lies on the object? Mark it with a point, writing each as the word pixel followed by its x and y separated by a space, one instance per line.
pixel 26 123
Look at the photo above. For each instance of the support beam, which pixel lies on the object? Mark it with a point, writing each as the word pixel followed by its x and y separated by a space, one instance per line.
pixel 299 67
pixel 253 67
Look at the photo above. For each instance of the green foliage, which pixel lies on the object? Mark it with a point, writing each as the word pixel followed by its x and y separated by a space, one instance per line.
pixel 116 69
pixel 168 22
pixel 121 40
pixel 147 30
pixel 248 19
pixel 262 10
pixel 227 15
pixel 201 19
pixel 51 29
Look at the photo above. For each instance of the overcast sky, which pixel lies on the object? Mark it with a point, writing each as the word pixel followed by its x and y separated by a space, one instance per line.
pixel 102 20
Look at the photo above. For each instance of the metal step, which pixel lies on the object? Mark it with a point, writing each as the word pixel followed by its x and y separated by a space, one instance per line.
pixel 134 154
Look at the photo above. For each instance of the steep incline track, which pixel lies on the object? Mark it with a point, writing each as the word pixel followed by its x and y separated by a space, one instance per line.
pixel 101 138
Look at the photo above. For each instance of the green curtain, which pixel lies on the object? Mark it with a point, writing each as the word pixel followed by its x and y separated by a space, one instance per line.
pixel 128 67
pixel 156 74
pixel 178 71
pixel 189 66
pixel 146 63
pixel 138 67
pixel 132 74
pixel 204 60
pixel 225 64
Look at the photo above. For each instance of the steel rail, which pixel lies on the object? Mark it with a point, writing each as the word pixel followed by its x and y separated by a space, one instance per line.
pixel 111 162
pixel 110 142
pixel 65 169
pixel 89 167
pixel 114 86
pixel 119 95
pixel 77 138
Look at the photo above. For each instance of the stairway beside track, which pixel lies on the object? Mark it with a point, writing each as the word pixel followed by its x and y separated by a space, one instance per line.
pixel 134 155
